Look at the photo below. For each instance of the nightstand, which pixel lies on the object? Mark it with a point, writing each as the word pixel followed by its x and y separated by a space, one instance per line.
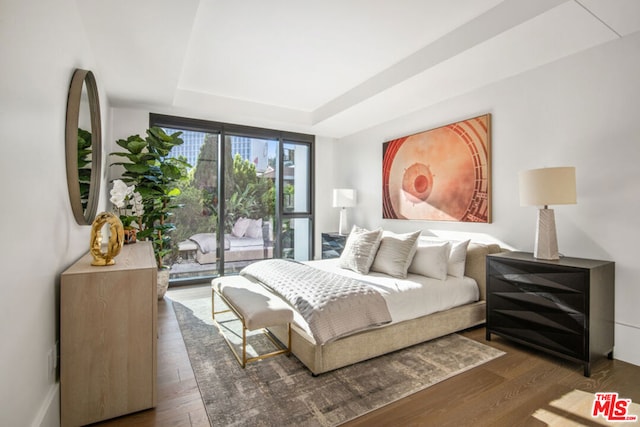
pixel 333 244
pixel 563 307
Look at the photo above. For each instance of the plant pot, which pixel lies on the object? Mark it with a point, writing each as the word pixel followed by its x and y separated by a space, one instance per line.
pixel 130 235
pixel 163 282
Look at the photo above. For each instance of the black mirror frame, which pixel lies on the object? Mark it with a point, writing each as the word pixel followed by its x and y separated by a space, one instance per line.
pixel 80 78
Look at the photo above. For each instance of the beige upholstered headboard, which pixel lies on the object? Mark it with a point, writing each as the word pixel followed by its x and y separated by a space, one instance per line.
pixel 475 266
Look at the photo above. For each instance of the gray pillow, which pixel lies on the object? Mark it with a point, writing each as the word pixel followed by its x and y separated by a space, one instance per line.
pixel 360 249
pixel 431 260
pixel 395 254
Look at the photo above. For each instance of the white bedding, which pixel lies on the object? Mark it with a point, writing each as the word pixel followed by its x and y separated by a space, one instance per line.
pixel 408 298
pixel 333 305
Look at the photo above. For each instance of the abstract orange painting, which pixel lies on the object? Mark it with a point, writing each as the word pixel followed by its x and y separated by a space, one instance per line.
pixel 441 174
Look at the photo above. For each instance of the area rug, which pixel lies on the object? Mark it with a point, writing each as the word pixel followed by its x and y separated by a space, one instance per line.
pixel 280 391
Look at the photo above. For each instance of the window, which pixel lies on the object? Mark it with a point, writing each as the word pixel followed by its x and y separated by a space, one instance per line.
pixel 248 197
pixel 296 231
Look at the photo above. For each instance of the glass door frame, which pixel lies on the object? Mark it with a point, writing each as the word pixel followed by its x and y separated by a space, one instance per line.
pixel 283 138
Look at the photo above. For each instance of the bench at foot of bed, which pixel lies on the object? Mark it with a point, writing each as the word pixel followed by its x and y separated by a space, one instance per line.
pixel 256 308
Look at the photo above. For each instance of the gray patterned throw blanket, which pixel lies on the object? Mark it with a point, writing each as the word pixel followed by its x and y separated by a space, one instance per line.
pixel 332 305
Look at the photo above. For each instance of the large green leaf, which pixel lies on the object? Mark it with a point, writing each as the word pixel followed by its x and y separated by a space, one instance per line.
pixel 135 167
pixel 134 144
pixel 136 158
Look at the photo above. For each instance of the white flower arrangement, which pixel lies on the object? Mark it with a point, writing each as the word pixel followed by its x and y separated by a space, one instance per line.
pixel 127 201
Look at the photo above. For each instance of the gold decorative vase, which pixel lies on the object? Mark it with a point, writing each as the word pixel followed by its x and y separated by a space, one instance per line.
pixel 116 239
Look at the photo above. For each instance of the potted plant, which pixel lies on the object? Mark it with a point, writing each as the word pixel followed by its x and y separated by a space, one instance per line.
pixel 156 177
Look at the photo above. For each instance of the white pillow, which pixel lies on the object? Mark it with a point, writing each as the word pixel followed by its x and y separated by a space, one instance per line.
pixel 240 227
pixel 431 260
pixel 360 249
pixel 395 253
pixel 254 230
pixel 457 258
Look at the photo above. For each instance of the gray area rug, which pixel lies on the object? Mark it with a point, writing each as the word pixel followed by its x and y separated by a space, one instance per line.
pixel 280 391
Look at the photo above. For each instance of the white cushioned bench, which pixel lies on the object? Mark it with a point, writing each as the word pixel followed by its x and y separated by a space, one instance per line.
pixel 256 308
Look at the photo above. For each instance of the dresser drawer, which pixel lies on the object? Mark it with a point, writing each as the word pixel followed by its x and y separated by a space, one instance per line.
pixel 526 295
pixel 537 277
pixel 548 316
pixel 547 334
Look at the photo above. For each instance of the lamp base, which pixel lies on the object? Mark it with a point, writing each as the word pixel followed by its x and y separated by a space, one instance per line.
pixel 342 229
pixel 546 246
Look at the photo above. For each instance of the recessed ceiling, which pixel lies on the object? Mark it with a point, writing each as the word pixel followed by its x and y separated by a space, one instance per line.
pixel 330 68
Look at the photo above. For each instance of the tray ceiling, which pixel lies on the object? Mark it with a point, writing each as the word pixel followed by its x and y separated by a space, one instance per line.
pixel 330 68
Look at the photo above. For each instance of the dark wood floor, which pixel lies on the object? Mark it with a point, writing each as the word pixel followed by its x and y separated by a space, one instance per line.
pixel 522 388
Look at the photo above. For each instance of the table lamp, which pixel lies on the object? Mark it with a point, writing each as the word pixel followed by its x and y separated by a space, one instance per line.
pixel 343 198
pixel 544 187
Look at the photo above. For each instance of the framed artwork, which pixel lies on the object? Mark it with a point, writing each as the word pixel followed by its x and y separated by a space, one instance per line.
pixel 441 174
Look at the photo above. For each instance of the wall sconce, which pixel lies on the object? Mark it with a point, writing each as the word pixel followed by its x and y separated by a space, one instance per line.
pixel 343 198
pixel 543 187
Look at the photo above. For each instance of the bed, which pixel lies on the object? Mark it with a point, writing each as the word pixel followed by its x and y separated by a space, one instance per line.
pixel 409 325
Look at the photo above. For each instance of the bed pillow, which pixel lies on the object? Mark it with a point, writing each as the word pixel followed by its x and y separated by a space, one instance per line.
pixel 360 249
pixel 431 260
pixel 240 227
pixel 457 258
pixel 395 253
pixel 254 230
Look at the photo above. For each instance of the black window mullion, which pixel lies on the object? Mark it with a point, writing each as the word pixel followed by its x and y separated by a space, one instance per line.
pixel 222 204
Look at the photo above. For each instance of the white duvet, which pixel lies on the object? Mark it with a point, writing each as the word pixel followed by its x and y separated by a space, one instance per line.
pixel 408 298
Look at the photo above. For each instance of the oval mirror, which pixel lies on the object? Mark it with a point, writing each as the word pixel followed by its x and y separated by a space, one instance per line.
pixel 83 142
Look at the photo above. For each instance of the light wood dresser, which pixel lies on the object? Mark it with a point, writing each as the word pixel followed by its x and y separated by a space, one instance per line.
pixel 108 338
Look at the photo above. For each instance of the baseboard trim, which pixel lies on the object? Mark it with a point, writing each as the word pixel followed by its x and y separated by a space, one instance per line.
pixel 627 346
pixel 49 413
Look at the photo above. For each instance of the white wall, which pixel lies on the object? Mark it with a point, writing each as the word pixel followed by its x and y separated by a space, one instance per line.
pixel 582 111
pixel 326 216
pixel 42 43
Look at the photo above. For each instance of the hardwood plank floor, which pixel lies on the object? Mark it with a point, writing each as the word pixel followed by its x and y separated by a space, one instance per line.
pixel 520 388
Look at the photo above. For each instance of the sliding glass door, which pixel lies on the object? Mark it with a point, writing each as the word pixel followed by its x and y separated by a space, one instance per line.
pixel 248 196
pixel 250 200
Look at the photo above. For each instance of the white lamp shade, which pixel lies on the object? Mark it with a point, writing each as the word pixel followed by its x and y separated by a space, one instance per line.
pixel 344 198
pixel 548 186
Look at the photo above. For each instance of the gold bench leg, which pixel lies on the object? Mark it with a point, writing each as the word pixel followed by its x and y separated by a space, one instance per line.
pixel 244 359
pixel 213 311
pixel 244 345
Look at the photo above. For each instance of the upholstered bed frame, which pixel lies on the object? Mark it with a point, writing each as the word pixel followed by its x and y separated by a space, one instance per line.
pixel 376 342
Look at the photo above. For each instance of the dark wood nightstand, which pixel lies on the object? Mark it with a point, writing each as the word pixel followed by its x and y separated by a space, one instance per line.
pixel 333 244
pixel 563 307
